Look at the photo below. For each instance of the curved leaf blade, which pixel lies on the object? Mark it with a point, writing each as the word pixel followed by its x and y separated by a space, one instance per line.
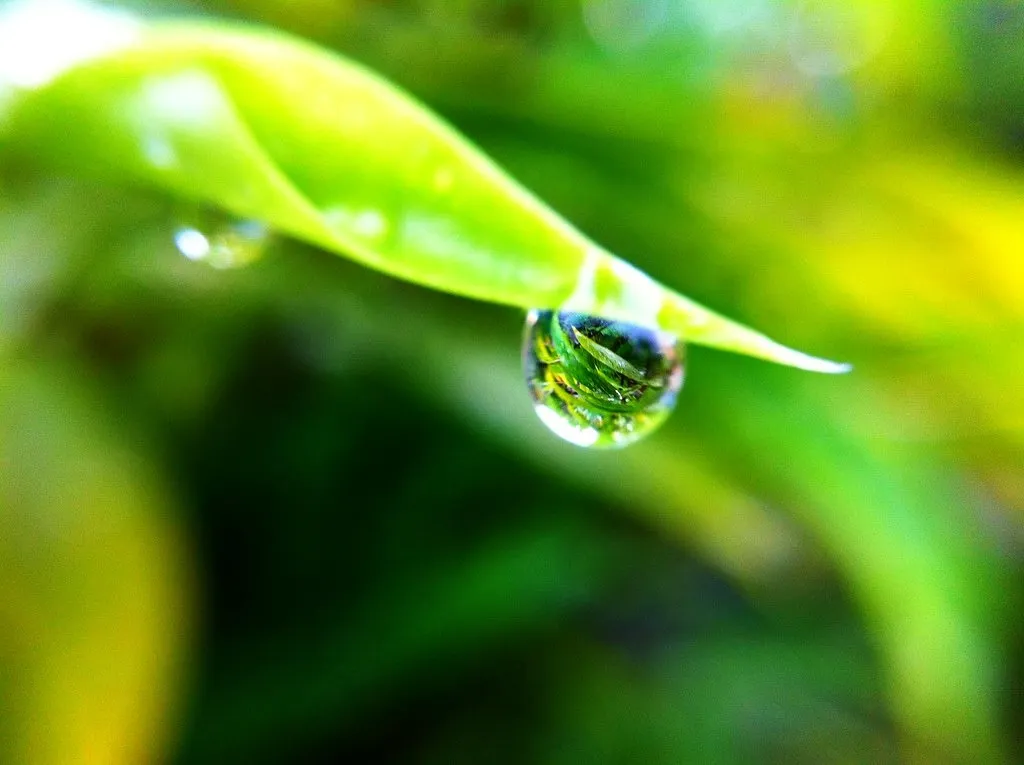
pixel 269 127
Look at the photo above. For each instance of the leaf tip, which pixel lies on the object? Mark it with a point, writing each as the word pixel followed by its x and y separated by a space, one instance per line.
pixel 814 364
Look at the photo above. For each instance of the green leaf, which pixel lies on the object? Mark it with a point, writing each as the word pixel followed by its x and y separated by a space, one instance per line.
pixel 268 127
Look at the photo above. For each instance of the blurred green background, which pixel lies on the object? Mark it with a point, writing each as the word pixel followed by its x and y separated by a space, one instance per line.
pixel 299 512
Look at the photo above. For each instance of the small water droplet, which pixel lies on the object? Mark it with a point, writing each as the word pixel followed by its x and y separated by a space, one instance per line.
pixel 221 241
pixel 159 152
pixel 599 383
pixel 368 224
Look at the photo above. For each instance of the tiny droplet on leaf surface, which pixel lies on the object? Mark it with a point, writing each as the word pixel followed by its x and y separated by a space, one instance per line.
pixel 600 383
pixel 219 240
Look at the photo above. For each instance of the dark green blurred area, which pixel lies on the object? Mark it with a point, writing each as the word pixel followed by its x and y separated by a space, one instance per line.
pixel 301 513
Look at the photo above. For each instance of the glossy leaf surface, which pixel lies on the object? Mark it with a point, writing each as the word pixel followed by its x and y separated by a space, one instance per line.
pixel 274 129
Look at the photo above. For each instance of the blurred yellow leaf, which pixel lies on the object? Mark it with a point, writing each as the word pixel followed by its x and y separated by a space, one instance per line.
pixel 94 613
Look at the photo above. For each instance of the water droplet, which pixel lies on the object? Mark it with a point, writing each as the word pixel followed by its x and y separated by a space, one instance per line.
pixel 597 382
pixel 368 224
pixel 159 152
pixel 220 241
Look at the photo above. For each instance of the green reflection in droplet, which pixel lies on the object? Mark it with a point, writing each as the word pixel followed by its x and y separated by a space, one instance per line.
pixel 599 383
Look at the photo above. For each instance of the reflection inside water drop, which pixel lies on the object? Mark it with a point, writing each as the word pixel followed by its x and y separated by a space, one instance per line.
pixel 220 241
pixel 596 382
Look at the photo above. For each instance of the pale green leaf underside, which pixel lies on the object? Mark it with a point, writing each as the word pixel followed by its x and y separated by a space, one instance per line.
pixel 268 127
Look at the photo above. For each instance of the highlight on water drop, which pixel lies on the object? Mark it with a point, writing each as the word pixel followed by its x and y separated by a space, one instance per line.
pixel 219 240
pixel 600 383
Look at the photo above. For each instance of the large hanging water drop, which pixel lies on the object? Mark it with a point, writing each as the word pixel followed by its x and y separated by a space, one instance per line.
pixel 600 383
